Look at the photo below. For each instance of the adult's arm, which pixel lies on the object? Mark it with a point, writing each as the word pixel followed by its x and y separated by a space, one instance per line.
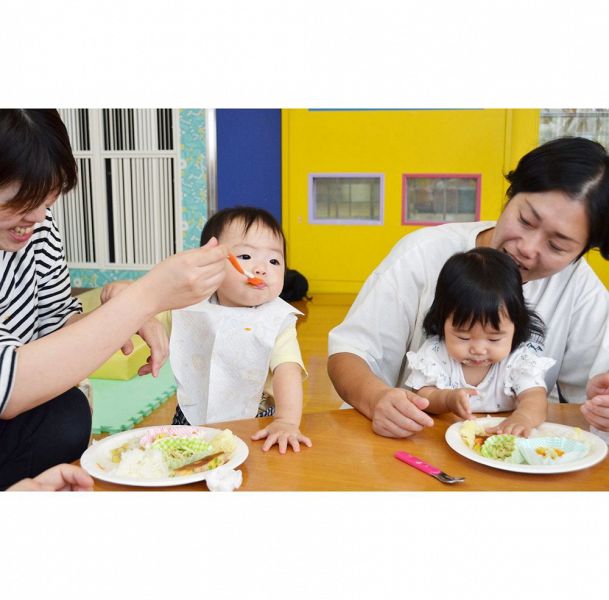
pixel 48 366
pixel 367 350
pixel 394 412
pixel 56 307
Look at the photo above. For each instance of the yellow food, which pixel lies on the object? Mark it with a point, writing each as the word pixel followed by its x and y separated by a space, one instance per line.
pixel 552 453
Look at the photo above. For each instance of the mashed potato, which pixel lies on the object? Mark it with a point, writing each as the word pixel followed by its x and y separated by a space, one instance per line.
pixel 142 464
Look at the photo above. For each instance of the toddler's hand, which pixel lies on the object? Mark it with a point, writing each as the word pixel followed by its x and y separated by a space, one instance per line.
pixel 154 334
pixel 112 289
pixel 458 402
pixel 515 424
pixel 281 433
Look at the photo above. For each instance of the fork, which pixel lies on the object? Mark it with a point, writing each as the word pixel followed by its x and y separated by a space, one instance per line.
pixel 417 463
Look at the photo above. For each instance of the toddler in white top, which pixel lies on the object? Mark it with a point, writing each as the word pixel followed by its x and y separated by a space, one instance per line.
pixel 226 349
pixel 483 347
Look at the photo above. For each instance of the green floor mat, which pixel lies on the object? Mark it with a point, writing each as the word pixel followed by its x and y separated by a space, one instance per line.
pixel 120 405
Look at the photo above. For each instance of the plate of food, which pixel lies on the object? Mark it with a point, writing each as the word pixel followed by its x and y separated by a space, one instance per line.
pixel 163 456
pixel 551 447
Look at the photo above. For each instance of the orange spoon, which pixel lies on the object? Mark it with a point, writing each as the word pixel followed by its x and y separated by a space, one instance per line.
pixel 250 278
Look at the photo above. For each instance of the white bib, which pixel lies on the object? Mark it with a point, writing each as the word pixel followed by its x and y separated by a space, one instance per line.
pixel 220 357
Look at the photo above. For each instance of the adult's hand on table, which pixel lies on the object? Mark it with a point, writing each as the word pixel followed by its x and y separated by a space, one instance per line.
pixel 596 408
pixel 60 478
pixel 398 413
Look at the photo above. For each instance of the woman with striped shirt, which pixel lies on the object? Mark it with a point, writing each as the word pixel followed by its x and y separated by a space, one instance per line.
pixel 46 345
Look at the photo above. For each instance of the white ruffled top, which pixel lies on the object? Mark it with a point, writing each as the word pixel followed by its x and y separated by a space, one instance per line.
pixel 524 368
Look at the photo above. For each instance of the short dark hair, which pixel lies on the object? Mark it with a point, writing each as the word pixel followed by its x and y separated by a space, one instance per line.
pixel 35 152
pixel 248 215
pixel 475 287
pixel 579 168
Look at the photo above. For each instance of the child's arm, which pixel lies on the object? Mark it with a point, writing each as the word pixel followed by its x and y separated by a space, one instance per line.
pixel 285 428
pixel 531 411
pixel 443 401
pixel 152 332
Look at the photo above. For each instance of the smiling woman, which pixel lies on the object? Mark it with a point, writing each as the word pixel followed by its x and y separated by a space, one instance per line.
pixel 558 208
pixel 46 345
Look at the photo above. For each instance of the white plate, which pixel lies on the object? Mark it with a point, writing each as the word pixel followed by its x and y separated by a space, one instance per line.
pixel 598 448
pixel 99 454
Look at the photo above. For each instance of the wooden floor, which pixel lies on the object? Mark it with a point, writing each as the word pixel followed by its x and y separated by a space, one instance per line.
pixel 321 314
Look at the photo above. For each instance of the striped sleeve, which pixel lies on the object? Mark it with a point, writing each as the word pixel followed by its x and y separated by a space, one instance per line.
pixel 8 363
pixel 55 303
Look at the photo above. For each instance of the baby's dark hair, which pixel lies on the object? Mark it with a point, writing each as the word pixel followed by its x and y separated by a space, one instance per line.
pixel 248 215
pixel 476 287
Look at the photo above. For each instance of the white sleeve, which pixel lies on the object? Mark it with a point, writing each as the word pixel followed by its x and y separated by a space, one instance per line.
pixel 526 368
pixel 379 325
pixel 587 348
pixel 429 366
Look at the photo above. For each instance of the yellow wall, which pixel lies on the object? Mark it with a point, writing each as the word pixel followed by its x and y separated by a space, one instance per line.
pixel 338 258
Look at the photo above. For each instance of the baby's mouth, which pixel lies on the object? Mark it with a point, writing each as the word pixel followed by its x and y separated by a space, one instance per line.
pixel 477 363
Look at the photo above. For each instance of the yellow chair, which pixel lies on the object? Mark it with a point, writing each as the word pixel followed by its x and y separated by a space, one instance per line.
pixel 120 366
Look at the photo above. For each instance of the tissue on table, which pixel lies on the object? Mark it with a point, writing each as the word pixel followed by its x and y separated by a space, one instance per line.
pixel 224 480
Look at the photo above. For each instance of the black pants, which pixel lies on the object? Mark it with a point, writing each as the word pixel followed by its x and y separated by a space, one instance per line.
pixel 180 419
pixel 55 432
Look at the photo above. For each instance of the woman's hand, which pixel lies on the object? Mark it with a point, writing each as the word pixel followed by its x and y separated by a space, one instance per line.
pixel 398 413
pixel 282 433
pixel 61 478
pixel 183 279
pixel 596 408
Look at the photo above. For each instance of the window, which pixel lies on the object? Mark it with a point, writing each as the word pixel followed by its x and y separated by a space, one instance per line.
pixel 354 199
pixel 125 209
pixel 433 198
pixel 591 123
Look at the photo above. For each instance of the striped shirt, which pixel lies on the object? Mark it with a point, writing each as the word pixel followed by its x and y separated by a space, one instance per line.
pixel 34 297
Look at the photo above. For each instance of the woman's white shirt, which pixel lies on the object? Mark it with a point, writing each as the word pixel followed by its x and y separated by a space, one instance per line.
pixel 386 318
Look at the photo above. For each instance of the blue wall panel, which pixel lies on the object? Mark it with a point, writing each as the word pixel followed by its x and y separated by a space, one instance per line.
pixel 249 158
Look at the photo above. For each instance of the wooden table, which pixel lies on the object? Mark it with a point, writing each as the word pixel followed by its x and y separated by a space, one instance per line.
pixel 347 456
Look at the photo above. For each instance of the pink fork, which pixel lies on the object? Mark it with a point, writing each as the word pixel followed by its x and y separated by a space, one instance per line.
pixel 417 463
